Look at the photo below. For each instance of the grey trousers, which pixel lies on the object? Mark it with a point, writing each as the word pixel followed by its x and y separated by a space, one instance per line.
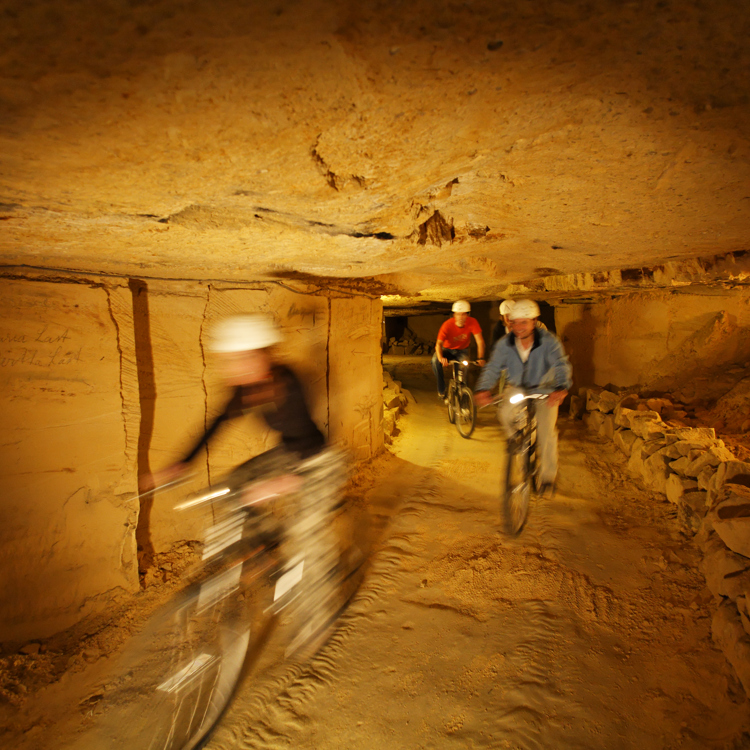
pixel 546 434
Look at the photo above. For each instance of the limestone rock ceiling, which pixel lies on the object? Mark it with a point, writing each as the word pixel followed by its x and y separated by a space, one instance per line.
pixel 431 148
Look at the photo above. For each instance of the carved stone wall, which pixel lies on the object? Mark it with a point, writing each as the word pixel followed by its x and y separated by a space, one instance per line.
pixel 660 340
pixel 101 381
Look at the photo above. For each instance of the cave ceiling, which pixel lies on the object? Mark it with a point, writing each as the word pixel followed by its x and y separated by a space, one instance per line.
pixel 426 149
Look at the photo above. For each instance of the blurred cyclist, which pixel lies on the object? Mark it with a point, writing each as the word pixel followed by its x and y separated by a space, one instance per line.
pixel 302 464
pixel 453 342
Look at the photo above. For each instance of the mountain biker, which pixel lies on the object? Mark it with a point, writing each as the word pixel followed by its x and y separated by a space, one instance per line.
pixel 453 341
pixel 301 464
pixel 533 359
pixel 502 327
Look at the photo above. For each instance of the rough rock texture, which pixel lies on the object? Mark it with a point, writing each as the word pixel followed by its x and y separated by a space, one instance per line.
pixel 436 145
pixel 731 638
pixel 683 341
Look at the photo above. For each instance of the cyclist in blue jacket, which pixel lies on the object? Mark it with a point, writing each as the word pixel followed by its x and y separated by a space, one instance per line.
pixel 533 359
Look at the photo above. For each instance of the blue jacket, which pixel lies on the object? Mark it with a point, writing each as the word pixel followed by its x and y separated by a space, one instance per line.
pixel 547 368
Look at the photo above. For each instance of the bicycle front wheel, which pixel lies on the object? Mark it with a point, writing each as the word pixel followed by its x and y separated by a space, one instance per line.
pixel 517 489
pixel 452 402
pixel 466 412
pixel 175 680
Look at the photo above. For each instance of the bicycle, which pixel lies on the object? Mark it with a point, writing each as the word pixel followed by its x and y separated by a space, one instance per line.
pixel 176 680
pixel 521 470
pixel 462 410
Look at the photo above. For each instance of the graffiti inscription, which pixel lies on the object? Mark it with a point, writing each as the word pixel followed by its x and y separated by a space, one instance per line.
pixel 46 347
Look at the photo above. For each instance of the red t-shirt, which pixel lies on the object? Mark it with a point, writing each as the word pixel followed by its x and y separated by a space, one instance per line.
pixel 453 337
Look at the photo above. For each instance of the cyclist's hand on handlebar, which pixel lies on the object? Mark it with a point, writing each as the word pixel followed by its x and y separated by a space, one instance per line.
pixel 258 492
pixel 148 482
pixel 443 361
pixel 481 362
pixel 483 398
pixel 556 398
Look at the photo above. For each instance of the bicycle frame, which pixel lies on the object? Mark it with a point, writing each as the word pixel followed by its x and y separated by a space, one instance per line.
pixel 521 467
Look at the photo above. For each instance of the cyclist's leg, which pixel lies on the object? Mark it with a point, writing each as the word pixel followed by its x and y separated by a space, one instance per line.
pixel 312 537
pixel 437 369
pixel 546 439
pixel 507 415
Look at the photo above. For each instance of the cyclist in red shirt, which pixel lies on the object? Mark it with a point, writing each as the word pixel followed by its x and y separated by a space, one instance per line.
pixel 453 341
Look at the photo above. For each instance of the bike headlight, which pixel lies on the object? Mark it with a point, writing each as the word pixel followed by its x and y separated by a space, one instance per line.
pixel 464 363
pixel 516 398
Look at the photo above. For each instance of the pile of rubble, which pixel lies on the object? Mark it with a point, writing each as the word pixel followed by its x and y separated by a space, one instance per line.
pixel 409 343
pixel 705 481
pixel 395 400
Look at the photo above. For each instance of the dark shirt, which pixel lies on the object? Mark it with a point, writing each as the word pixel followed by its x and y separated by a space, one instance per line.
pixel 498 331
pixel 286 413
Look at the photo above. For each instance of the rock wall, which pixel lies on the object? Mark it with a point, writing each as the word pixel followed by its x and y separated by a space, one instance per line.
pixel 67 538
pixel 710 489
pixel 657 339
pixel 103 381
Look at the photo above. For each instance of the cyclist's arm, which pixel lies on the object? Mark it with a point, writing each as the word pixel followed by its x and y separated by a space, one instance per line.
pixel 491 371
pixel 439 352
pixel 480 347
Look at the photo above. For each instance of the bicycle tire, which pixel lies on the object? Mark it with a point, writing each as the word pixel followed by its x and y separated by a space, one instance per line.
pixel 466 413
pixel 517 490
pixel 175 680
pixel 452 402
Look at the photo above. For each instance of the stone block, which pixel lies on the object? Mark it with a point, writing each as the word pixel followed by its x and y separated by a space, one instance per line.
pixel 635 462
pixel 731 521
pixel 389 421
pixel 726 573
pixel 646 424
pixel 659 405
pixel 729 635
pixel 624 440
pixel 592 399
pixel 734 472
pixel 391 399
pixel 607 429
pixel 607 401
pixel 699 460
pixel 677 486
pixel 577 407
pixel 629 401
pixel 621 417
pixel 656 471
pixel 594 420
pixel 686 447
pixel 695 433
pixel 705 476
pixel 690 510
pixel 679 465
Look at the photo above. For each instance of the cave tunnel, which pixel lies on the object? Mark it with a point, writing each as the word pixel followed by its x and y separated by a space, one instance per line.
pixel 349 170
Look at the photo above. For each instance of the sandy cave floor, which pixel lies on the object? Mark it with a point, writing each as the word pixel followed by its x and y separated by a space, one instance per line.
pixel 591 630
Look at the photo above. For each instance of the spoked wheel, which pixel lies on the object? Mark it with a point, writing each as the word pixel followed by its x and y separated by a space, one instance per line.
pixel 174 681
pixel 517 490
pixel 466 413
pixel 452 405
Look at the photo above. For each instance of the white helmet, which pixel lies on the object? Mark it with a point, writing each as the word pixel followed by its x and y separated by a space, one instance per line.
pixel 243 333
pixel 461 306
pixel 524 308
pixel 506 306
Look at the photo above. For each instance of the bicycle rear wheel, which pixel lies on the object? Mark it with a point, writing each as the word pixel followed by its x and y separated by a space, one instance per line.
pixel 517 489
pixel 466 413
pixel 177 677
